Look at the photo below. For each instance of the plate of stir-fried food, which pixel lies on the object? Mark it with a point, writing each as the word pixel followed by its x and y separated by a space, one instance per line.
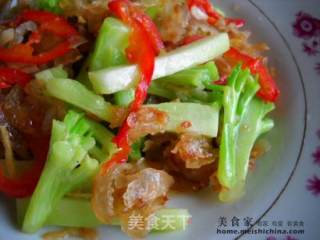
pixel 153 117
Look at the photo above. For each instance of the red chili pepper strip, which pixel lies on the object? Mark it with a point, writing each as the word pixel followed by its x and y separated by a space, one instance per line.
pixel 268 88
pixel 134 16
pixel 48 22
pixel 222 81
pixel 239 56
pixel 23 54
pixel 144 44
pixel 237 21
pixel 24 185
pixel 213 15
pixel 10 76
pixel 150 29
pixel 118 158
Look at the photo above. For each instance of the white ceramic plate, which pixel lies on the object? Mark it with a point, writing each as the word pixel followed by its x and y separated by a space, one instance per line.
pixel 273 172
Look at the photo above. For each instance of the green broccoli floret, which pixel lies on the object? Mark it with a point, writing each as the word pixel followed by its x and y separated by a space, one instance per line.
pixel 188 85
pixel 243 122
pixel 104 146
pixel 68 165
pixel 252 124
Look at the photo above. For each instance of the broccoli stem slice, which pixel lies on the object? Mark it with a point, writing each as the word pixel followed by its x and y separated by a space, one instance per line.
pixel 204 119
pixel 77 212
pixel 68 167
pixel 57 85
pixel 75 93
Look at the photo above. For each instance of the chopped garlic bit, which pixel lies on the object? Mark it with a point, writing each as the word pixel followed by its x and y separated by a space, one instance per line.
pixel 198 14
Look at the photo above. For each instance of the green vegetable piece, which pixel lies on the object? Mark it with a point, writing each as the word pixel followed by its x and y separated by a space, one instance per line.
pixel 136 148
pixel 109 51
pixel 56 72
pixel 153 11
pixel 173 92
pixel 104 147
pixel 243 123
pixel 252 125
pixel 196 77
pixel 158 89
pixel 111 42
pixel 75 93
pixel 124 97
pixel 114 79
pixel 227 160
pixel 75 212
pixel 68 167
pixel 213 71
pixel 49 5
pixel 188 85
pixel 83 77
pixel 204 119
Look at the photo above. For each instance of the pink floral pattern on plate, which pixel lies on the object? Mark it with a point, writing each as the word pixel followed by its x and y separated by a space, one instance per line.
pixel 307 27
pixel 316 156
pixel 316 153
pixel 313 185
